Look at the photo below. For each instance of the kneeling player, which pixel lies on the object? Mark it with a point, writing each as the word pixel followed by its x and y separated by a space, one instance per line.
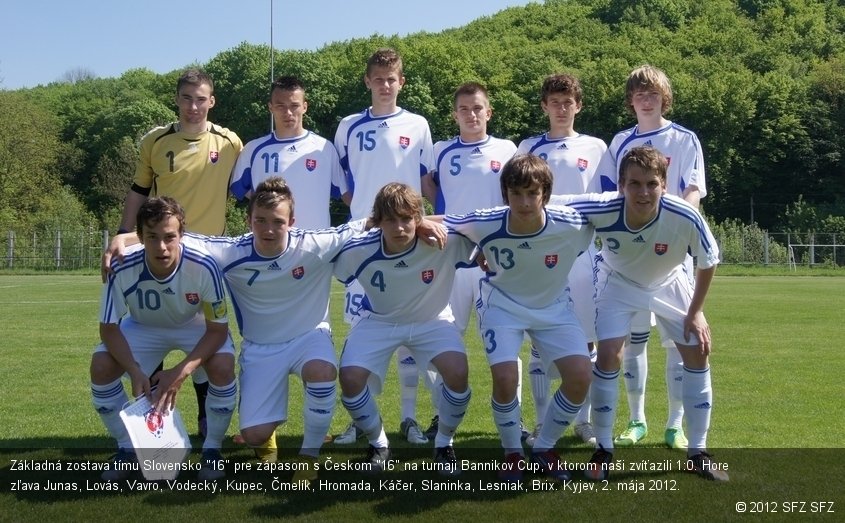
pixel 164 295
pixel 407 286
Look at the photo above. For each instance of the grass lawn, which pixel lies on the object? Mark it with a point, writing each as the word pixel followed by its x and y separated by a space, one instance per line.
pixel 778 421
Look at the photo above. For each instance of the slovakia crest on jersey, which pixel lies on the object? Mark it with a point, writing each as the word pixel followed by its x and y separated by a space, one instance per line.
pixel 298 272
pixel 427 276
pixel 213 156
pixel 310 164
pixel 154 422
pixel 582 164
pixel 404 142
pixel 660 248
pixel 192 298
pixel 551 260
pixel 495 166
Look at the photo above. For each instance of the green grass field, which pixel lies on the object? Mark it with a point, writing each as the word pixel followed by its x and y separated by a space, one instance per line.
pixel 778 422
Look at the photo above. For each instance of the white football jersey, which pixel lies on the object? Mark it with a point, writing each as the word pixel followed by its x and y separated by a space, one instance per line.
pixel 650 256
pixel 308 163
pixel 194 288
pixel 680 146
pixel 574 160
pixel 530 269
pixel 467 173
pixel 412 286
pixel 277 299
pixel 376 150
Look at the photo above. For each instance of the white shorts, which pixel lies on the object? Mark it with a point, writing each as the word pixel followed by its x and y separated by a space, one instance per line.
pixel 464 295
pixel 581 291
pixel 618 301
pixel 265 369
pixel 149 345
pixel 554 330
pixel 372 342
pixel 644 320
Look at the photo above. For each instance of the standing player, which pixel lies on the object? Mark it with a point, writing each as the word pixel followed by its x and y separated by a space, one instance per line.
pixel 573 159
pixel 646 235
pixel 407 286
pixel 190 160
pixel 384 143
pixel 530 250
pixel 466 178
pixel 165 295
pixel 180 158
pixel 308 163
pixel 648 95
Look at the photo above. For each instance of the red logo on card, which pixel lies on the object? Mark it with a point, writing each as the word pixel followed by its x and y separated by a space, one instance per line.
pixel 154 421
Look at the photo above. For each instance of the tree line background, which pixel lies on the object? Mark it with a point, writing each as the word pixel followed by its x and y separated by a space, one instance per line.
pixel 762 83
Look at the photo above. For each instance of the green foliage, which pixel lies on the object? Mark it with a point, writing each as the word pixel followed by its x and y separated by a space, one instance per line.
pixel 236 222
pixel 759 81
pixel 747 244
pixel 241 83
pixel 28 157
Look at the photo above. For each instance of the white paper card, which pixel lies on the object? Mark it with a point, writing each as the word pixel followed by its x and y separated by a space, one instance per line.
pixel 160 439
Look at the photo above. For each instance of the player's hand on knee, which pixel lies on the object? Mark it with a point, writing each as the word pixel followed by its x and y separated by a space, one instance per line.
pixel 697 324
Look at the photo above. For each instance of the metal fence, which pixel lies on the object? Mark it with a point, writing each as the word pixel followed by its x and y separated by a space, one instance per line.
pixel 78 249
pixel 54 250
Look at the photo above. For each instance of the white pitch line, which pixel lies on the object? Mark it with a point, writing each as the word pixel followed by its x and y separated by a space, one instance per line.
pixel 46 302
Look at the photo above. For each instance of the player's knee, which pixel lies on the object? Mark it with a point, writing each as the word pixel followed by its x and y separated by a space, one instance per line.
pixel 220 369
pixel 257 436
pixel 319 371
pixel 352 380
pixel 504 385
pixel 104 368
pixel 693 358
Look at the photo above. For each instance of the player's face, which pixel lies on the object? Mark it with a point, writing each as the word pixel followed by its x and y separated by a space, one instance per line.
pixel 526 204
pixel 288 108
pixel 472 112
pixel 648 104
pixel 642 192
pixel 162 246
pixel 561 109
pixel 398 233
pixel 385 84
pixel 270 228
pixel 194 102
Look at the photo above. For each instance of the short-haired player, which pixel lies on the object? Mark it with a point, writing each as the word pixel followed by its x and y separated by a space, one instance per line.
pixel 165 295
pixel 530 250
pixel 646 235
